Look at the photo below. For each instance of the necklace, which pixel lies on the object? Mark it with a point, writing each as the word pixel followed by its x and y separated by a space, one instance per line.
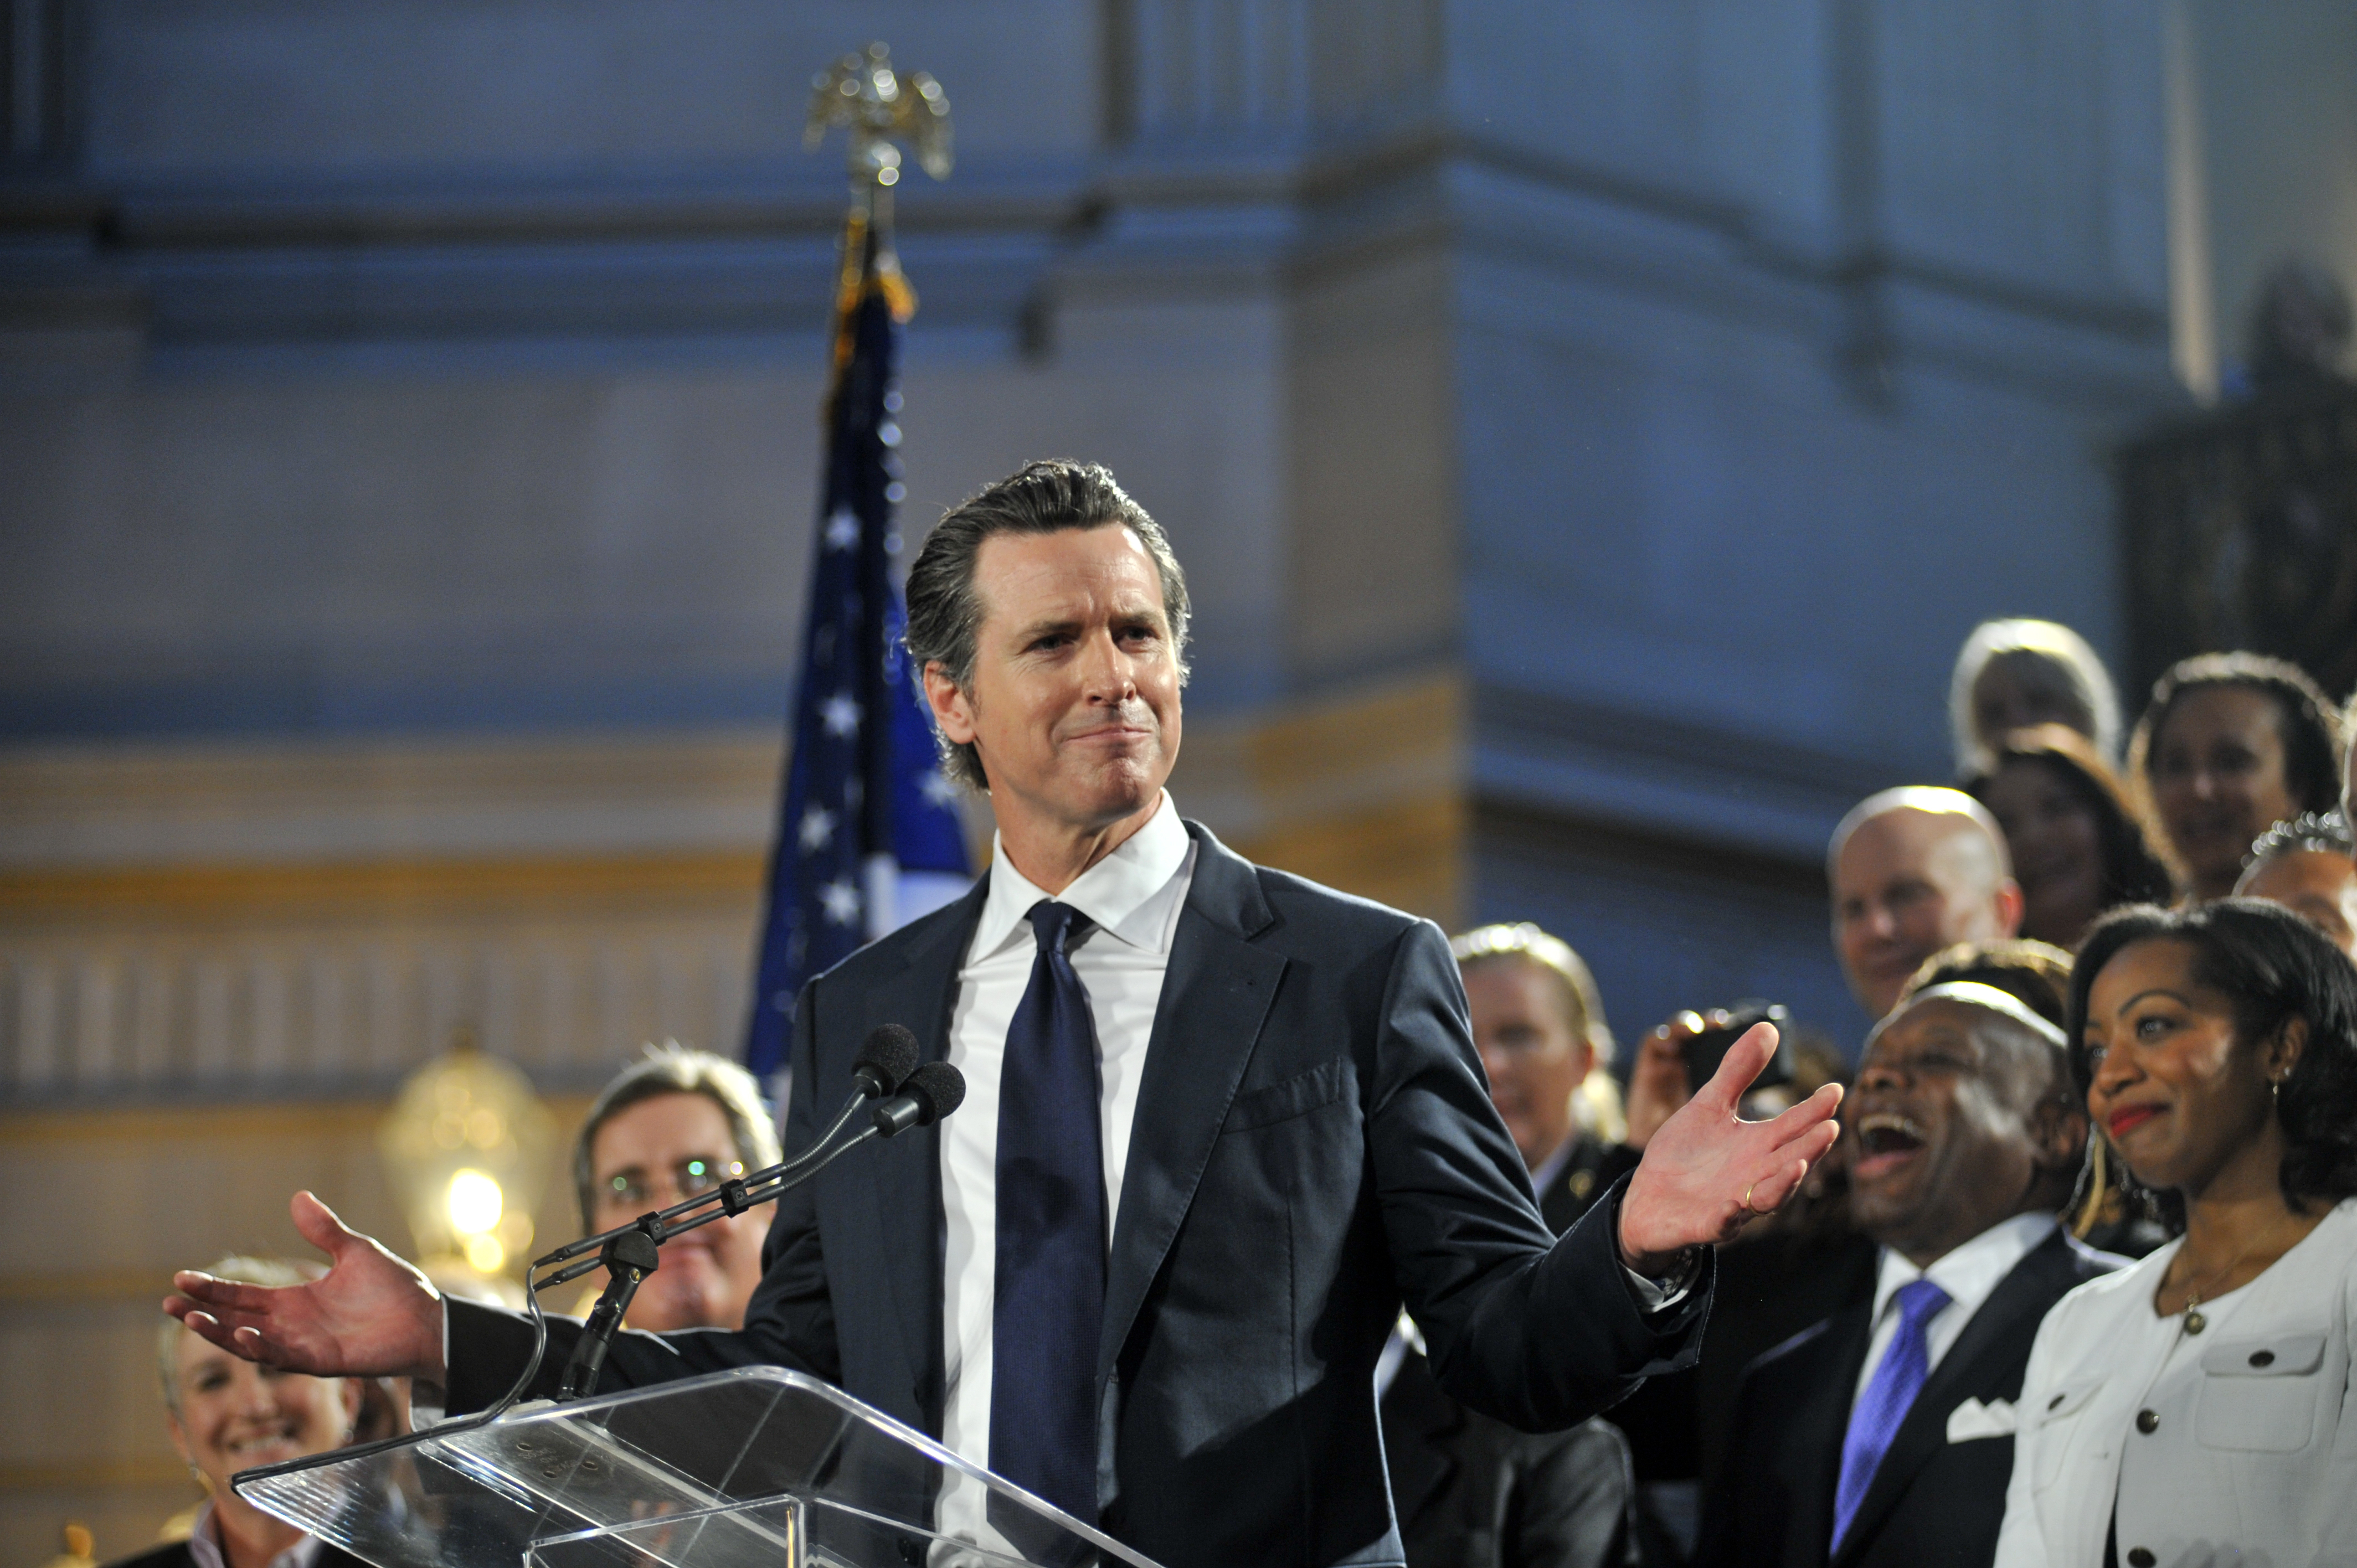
pixel 2194 1322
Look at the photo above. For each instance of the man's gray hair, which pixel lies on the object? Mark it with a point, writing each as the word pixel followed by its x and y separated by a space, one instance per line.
pixel 2324 832
pixel 1049 496
pixel 672 1068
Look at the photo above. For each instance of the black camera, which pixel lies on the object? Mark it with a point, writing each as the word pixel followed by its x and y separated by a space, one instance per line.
pixel 1705 1051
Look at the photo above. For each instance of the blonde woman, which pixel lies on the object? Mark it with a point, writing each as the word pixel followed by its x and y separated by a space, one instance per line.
pixel 1539 1026
pixel 225 1414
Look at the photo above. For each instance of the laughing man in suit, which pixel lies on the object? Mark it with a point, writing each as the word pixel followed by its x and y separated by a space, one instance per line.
pixel 1221 1122
pixel 1884 1436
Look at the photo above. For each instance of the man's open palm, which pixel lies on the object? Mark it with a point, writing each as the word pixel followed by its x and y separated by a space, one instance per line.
pixel 1707 1170
pixel 370 1316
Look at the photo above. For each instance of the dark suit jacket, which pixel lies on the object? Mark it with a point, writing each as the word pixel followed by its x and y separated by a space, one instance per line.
pixel 1314 1143
pixel 1475 1493
pixel 1932 1502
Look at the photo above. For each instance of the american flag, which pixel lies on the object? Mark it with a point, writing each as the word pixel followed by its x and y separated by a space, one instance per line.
pixel 868 835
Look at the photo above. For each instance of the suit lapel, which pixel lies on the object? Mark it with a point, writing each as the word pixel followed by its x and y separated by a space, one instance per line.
pixel 1824 1425
pixel 903 1190
pixel 1215 995
pixel 2021 1298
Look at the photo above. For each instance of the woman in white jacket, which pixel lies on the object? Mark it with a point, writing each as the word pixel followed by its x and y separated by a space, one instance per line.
pixel 2196 1410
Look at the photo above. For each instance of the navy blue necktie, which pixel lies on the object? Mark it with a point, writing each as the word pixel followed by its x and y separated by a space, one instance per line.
pixel 1049 1304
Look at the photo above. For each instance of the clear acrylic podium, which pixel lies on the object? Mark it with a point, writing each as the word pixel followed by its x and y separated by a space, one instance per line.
pixel 758 1467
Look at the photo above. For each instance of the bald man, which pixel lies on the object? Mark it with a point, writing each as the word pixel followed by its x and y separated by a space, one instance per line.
pixel 1915 871
pixel 1884 1435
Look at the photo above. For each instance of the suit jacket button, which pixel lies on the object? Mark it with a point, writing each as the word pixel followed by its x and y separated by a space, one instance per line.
pixel 2139 1557
pixel 2147 1422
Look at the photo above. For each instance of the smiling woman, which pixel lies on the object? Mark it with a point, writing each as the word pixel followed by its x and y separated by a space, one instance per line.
pixel 225 1414
pixel 2080 845
pixel 2196 1407
pixel 2230 744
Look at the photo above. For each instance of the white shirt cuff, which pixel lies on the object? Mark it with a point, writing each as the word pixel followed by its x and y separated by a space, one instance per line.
pixel 1660 1295
pixel 428 1403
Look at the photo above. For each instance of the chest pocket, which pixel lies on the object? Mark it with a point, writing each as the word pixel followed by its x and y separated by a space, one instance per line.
pixel 2259 1395
pixel 1297 1096
pixel 2056 1424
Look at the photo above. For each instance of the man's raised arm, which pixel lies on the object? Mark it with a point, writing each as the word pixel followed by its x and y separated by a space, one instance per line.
pixel 370 1316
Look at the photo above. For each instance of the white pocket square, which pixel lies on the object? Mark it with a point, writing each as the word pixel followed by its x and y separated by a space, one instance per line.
pixel 1972 1419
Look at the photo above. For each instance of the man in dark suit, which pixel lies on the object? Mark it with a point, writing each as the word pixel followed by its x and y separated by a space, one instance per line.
pixel 1220 1122
pixel 1884 1436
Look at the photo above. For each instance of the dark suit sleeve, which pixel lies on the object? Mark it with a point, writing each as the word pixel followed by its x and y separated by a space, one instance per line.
pixel 791 1322
pixel 1538 1332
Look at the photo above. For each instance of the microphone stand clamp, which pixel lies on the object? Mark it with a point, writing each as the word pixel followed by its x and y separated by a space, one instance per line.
pixel 629 1257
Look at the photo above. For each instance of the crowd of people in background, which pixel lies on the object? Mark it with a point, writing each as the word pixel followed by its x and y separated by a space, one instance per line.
pixel 2075 1287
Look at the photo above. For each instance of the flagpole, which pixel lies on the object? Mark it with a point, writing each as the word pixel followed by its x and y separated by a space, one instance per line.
pixel 863 807
pixel 875 102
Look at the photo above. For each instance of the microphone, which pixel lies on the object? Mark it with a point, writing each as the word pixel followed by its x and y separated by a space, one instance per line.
pixel 929 1093
pixel 888 1057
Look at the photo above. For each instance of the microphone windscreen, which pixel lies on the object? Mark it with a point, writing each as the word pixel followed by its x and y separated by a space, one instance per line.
pixel 891 1052
pixel 937 1088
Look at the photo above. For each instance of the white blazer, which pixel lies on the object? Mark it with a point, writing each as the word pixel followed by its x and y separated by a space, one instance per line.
pixel 2236 1446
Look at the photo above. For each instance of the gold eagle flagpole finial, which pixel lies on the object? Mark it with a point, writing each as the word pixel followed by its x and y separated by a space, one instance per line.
pixel 879 106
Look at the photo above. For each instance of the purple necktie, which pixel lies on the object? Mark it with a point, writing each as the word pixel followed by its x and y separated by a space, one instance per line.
pixel 1890 1393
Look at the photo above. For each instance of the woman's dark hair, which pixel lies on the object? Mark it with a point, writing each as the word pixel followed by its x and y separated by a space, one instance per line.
pixel 2124 837
pixel 2305 717
pixel 2273 967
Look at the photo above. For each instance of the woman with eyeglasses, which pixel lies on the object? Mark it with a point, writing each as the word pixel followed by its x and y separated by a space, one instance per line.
pixel 2196 1408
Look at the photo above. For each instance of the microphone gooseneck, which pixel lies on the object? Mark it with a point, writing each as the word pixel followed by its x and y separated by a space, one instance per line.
pixel 926 1092
pixel 885 1059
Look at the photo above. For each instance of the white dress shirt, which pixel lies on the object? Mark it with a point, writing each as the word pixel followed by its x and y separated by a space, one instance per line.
pixel 1970 1275
pixel 205 1547
pixel 1133 897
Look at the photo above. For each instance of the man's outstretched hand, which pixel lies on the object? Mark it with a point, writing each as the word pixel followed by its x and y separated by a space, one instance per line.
pixel 370 1316
pixel 1707 1171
